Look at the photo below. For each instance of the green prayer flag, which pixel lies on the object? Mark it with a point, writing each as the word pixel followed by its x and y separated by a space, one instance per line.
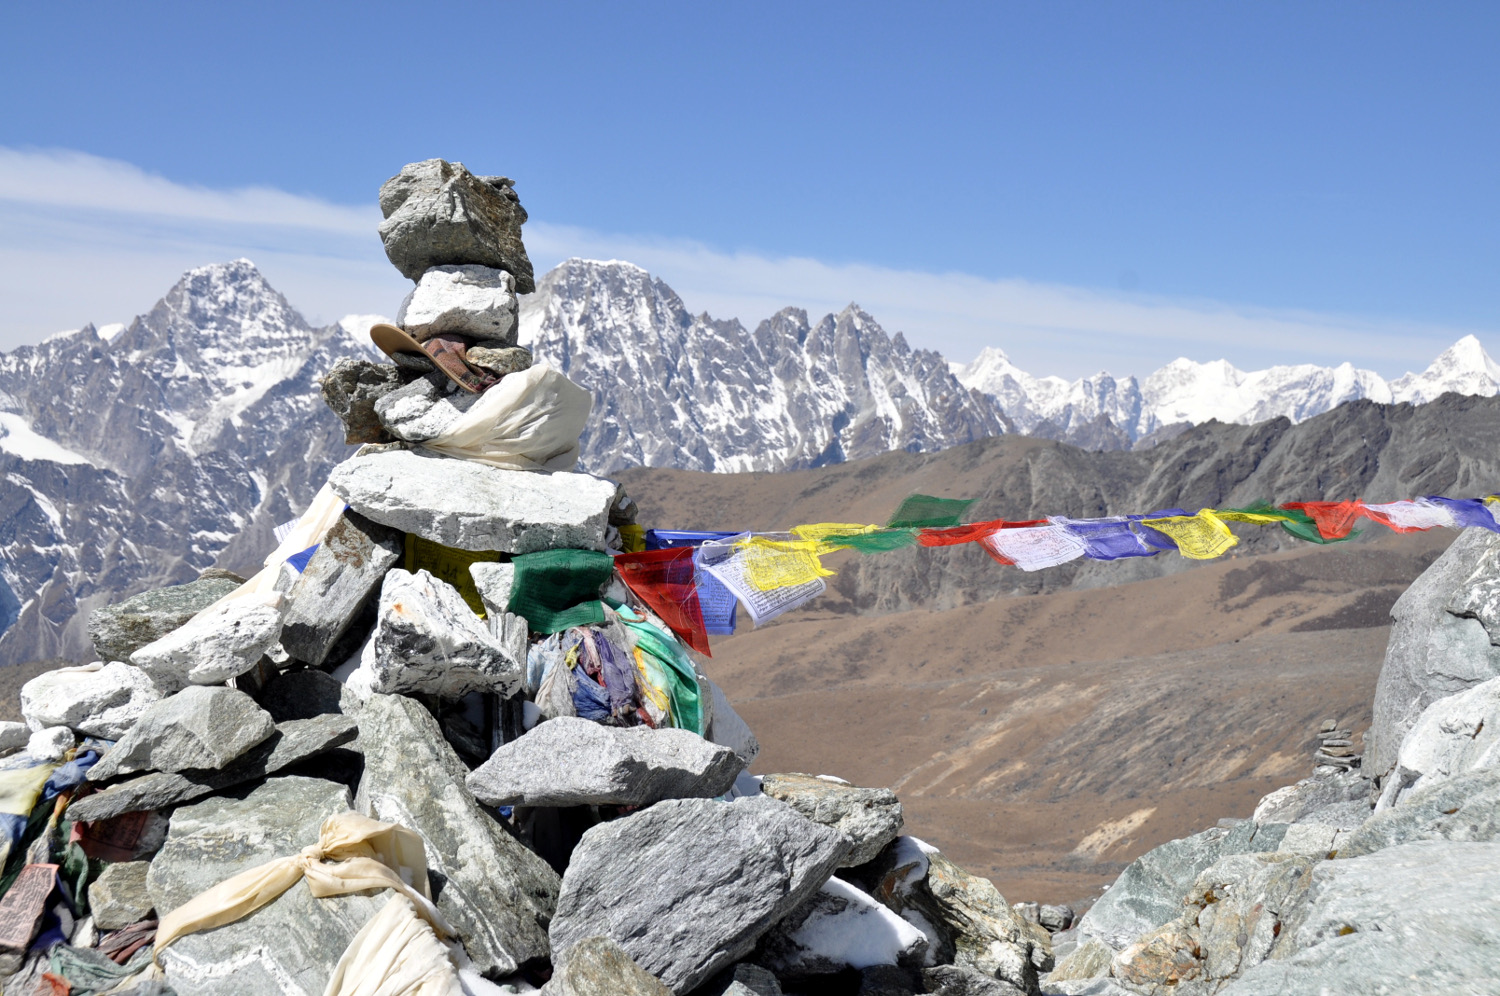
pixel 927 512
pixel 877 542
pixel 558 589
pixel 1295 521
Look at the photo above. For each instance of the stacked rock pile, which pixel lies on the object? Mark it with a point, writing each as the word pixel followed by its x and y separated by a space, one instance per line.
pixel 1335 747
pixel 569 821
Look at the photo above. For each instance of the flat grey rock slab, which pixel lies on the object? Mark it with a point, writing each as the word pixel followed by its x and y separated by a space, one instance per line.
pixel 496 893
pixel 351 388
pixel 597 966
pixel 1413 918
pixel 214 646
pixel 868 818
pixel 288 947
pixel 295 740
pixel 200 727
pixel 468 300
pixel 576 762
pixel 99 700
pixel 121 629
pixel 437 213
pixel 688 886
pixel 471 506
pixel 836 928
pixel 337 585
pixel 119 897
pixel 428 640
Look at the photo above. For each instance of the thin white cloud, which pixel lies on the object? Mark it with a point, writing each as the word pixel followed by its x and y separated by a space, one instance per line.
pixel 84 238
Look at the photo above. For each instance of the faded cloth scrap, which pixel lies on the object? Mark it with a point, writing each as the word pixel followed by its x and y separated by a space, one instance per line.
pixel 558 589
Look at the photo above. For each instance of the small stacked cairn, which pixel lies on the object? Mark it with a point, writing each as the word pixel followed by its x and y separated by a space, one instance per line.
pixel 1335 747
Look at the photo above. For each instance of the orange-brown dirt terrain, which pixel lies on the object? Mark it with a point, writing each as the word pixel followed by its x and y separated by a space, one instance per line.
pixel 1045 740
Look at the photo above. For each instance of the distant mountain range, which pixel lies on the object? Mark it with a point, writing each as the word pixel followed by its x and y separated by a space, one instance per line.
pixel 133 456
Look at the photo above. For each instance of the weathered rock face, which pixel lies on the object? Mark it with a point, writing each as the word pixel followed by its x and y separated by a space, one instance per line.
pixel 470 506
pixel 121 629
pixel 199 727
pixel 51 744
pixel 287 948
pixel 1465 807
pixel 295 740
pixel 955 980
pixel 100 700
pixel 839 927
pixel 439 214
pixel 337 585
pixel 499 895
pixel 119 897
pixel 475 301
pixel 428 640
pixel 351 388
pixel 1455 734
pixel 423 409
pixel 703 882
pixel 500 362
pixel 597 966
pixel 1439 644
pixel 867 818
pixel 1292 803
pixel 13 736
pixel 574 762
pixel 1441 899
pixel 742 979
pixel 215 646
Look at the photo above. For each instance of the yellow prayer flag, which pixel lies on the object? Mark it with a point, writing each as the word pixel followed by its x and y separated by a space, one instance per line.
pixel 770 564
pixel 1200 537
pixel 831 531
pixel 1256 518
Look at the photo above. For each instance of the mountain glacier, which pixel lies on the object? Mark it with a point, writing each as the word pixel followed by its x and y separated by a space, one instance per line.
pixel 1185 392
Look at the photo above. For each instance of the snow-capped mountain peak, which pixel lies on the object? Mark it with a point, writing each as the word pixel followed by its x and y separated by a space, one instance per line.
pixel 1463 367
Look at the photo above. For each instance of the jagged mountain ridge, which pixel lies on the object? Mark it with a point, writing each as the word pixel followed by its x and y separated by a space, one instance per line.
pixel 1185 392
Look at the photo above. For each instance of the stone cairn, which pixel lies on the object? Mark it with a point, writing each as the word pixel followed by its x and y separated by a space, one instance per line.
pixel 1335 748
pixel 226 721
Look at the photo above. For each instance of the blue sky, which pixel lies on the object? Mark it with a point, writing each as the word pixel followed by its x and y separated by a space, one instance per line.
pixel 1085 185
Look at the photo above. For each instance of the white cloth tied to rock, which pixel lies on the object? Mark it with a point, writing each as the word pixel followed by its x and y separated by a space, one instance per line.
pixel 531 420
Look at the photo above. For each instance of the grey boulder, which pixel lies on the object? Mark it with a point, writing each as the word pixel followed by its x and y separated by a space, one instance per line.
pixel 428 640
pixel 13 736
pixel 218 644
pixel 575 762
pixel 1298 801
pixel 597 966
pixel 423 409
pixel 836 928
pixel 1438 645
pixel 867 818
pixel 199 727
pixel 98 700
pixel 470 300
pixel 500 362
pixel 286 948
pixel 121 629
pixel 1452 735
pixel 351 388
pixel 688 886
pixel 119 897
pixel 471 506
pixel 498 894
pixel 51 744
pixel 1465 807
pixel 337 585
pixel 437 213
pixel 294 741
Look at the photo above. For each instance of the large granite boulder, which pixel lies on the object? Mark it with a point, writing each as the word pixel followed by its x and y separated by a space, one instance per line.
pixel 1463 807
pixel 294 741
pixel 688 886
pixel 119 896
pixel 1303 799
pixel 199 727
pixel 475 301
pixel 214 646
pixel 351 388
pixel 98 700
pixel 1454 734
pixel 428 640
pixel 288 947
pixel 423 409
pixel 471 506
pixel 575 762
pixel 1440 643
pixel 121 629
pixel 499 895
pixel 597 966
pixel 1414 918
pixel 337 585
pixel 837 928
pixel 867 818
pixel 437 213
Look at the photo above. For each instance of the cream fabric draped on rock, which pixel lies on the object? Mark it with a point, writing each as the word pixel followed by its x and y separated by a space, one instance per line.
pixel 531 420
pixel 395 954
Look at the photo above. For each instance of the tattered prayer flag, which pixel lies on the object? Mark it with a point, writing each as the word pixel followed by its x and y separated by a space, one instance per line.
pixel 21 910
pixel 1334 519
pixel 1150 537
pixel 927 512
pixel 1259 514
pixel 832 531
pixel 632 538
pixel 762 604
pixel 853 536
pixel 661 539
pixel 1294 521
pixel 769 564
pixel 1200 537
pixel 972 533
pixel 1468 512
pixel 1036 548
pixel 717 602
pixel 1409 516
pixel 666 581
pixel 558 589
pixel 449 564
pixel 1107 538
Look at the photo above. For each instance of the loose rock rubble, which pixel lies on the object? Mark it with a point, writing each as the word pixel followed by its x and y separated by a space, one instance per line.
pixel 570 784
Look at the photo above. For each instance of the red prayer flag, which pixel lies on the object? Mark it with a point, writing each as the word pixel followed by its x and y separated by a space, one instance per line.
pixel 972 533
pixel 664 579
pixel 1335 519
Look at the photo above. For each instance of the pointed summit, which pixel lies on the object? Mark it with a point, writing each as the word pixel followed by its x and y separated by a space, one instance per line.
pixel 1463 367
